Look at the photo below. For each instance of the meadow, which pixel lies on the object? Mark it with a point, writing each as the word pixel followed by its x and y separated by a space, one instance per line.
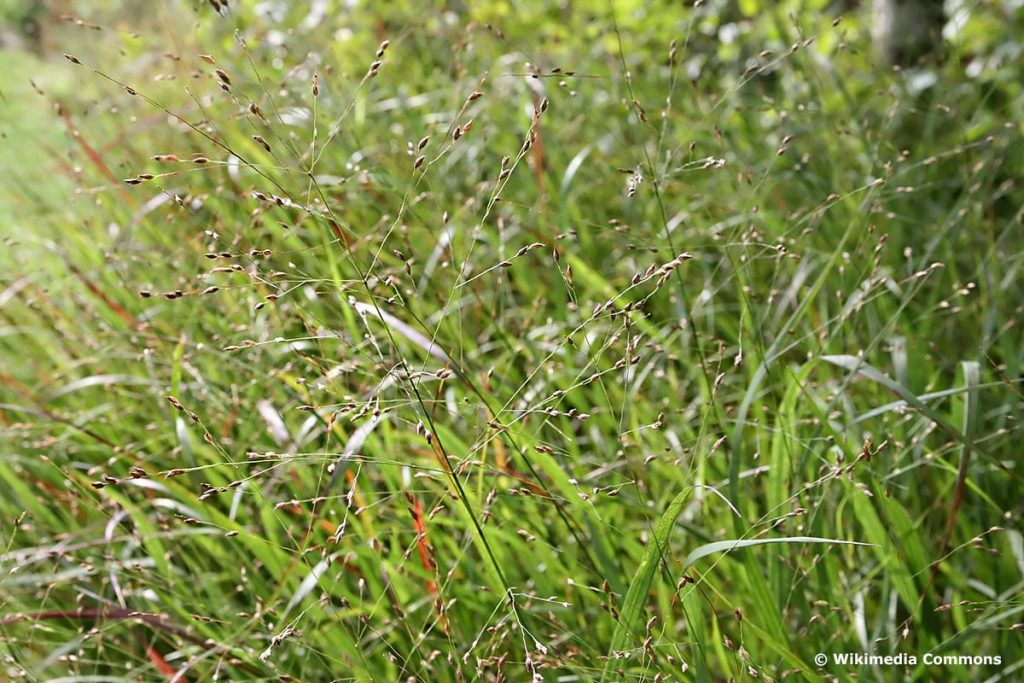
pixel 507 341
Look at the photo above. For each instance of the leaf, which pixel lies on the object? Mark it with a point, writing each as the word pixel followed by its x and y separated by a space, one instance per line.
pixel 878 533
pixel 98 381
pixel 972 374
pixel 573 168
pixel 636 597
pixel 858 366
pixel 409 333
pixel 161 664
pixel 724 546
pixel 895 405
pixel 309 583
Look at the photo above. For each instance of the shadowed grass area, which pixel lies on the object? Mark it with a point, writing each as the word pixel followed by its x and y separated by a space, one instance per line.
pixel 498 341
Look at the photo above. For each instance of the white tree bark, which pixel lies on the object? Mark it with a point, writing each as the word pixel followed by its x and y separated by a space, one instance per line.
pixel 904 30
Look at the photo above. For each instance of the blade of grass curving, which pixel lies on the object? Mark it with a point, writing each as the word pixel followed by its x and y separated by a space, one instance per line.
pixel 930 396
pixel 859 366
pixel 636 596
pixel 725 546
pixel 409 333
pixel 972 373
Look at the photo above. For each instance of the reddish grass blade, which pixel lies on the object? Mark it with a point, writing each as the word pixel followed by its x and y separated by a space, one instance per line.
pixel 93 155
pixel 161 664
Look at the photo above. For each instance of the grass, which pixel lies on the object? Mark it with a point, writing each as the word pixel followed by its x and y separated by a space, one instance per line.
pixel 618 341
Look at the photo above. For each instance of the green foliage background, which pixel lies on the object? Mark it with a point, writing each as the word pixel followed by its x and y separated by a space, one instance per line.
pixel 720 371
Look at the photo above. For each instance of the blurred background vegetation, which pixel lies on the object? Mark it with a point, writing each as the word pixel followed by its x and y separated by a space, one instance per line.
pixel 444 340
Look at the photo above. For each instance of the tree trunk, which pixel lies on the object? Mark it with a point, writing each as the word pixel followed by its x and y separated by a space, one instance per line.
pixel 904 31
